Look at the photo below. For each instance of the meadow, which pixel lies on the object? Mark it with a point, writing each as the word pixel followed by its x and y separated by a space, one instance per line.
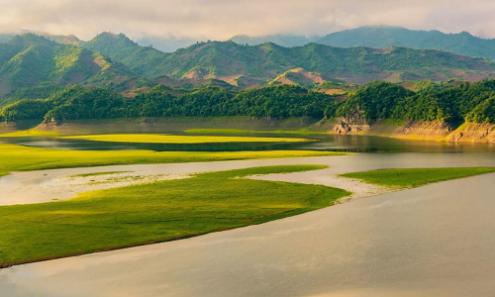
pixel 22 158
pixel 182 139
pixel 415 177
pixel 157 212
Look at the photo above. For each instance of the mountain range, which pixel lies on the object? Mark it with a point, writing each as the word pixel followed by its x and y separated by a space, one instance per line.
pixel 462 43
pixel 32 65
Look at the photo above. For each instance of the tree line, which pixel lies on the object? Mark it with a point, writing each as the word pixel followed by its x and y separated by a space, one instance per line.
pixel 453 103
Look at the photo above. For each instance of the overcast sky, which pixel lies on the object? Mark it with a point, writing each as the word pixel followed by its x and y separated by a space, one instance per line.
pixel 221 19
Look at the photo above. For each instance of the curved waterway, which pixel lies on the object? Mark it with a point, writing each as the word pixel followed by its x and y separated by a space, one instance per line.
pixel 436 240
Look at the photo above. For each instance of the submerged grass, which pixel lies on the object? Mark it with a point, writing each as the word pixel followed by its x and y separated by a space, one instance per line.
pixel 157 212
pixel 415 177
pixel 182 139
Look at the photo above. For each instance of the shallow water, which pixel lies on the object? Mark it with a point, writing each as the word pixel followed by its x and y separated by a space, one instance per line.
pixel 433 241
pixel 347 143
pixel 59 184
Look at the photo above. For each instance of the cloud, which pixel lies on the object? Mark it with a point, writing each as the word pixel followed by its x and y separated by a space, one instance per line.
pixel 220 19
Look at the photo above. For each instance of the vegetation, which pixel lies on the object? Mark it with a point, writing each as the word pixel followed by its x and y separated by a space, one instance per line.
pixel 87 103
pixel 462 43
pixel 21 158
pixel 33 66
pixel 155 212
pixel 415 177
pixel 483 112
pixel 301 132
pixel 385 37
pixel 451 103
pixel 164 138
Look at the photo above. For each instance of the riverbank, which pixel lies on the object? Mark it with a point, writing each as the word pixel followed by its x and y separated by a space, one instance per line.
pixel 147 213
pixel 335 251
pixel 419 131
pixel 422 131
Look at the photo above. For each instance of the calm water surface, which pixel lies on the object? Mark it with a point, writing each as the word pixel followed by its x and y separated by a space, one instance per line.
pixel 433 241
pixel 330 143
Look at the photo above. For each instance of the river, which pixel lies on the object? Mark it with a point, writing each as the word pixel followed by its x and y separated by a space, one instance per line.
pixel 436 240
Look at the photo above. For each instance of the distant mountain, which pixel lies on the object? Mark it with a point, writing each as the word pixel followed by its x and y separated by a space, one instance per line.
pixel 166 44
pixel 280 39
pixel 145 61
pixel 64 39
pixel 223 60
pixel 5 37
pixel 30 60
pixel 385 37
pixel 33 65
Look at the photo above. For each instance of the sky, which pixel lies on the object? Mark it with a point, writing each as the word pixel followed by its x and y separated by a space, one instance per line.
pixel 222 19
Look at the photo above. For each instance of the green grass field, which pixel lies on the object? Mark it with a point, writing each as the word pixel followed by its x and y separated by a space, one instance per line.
pixel 183 139
pixel 157 212
pixel 300 132
pixel 415 177
pixel 22 158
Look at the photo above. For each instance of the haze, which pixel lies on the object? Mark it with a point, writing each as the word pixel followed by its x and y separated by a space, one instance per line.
pixel 221 19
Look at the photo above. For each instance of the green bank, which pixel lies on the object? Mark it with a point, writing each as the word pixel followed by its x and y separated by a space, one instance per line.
pixel 22 158
pixel 415 177
pixel 157 212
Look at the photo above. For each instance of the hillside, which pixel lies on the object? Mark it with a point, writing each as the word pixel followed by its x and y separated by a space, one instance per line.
pixel 298 76
pixel 385 37
pixel 357 65
pixel 462 43
pixel 31 65
pixel 144 61
pixel 230 61
pixel 279 39
pixel 448 103
pixel 29 62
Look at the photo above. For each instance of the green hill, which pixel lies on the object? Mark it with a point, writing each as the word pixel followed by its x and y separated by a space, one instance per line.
pixel 449 103
pixel 29 60
pixel 145 61
pixel 384 37
pixel 359 65
pixel 229 61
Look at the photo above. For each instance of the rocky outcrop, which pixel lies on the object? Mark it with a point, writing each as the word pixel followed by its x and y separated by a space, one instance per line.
pixel 431 131
pixel 473 132
pixel 407 130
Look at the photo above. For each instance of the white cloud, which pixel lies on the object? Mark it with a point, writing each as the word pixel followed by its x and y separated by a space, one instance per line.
pixel 218 19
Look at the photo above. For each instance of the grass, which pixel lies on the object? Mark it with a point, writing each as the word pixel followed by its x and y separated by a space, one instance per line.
pixel 22 158
pixel 157 212
pixel 182 139
pixel 301 132
pixel 29 133
pixel 415 177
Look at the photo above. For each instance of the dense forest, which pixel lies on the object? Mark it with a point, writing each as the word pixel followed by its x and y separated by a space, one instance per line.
pixel 451 103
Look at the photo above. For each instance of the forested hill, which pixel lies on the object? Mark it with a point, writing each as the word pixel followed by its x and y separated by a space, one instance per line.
pixel 34 66
pixel 383 37
pixel 33 62
pixel 462 43
pixel 452 104
pixel 229 61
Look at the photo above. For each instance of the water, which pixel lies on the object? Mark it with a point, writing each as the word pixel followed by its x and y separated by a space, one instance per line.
pixel 433 241
pixel 328 143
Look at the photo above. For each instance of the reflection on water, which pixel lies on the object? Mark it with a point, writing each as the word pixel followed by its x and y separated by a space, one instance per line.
pixel 328 143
